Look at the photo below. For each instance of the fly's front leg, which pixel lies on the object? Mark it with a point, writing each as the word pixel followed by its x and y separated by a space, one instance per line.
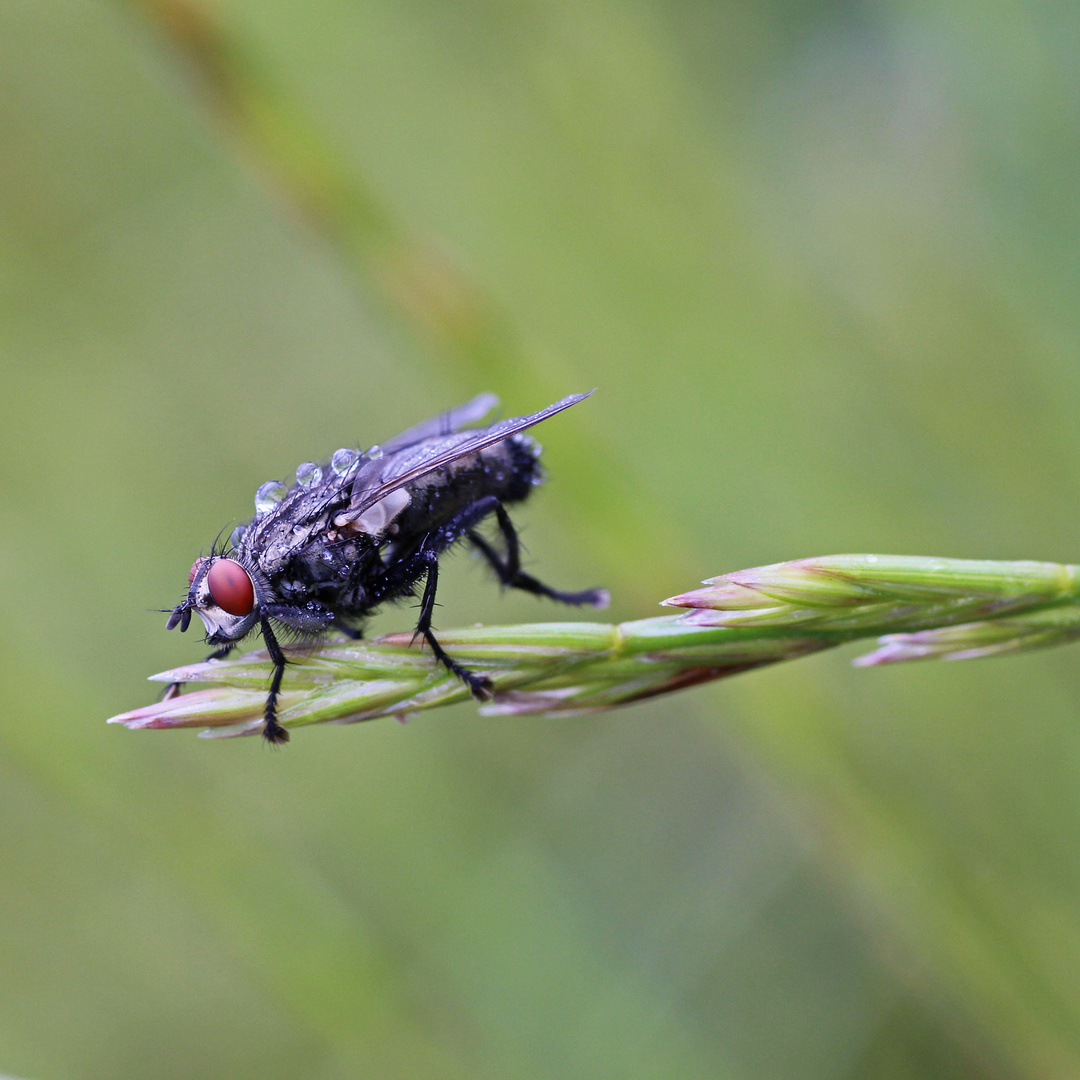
pixel 511 574
pixel 173 689
pixel 310 619
pixel 273 732
pixel 479 685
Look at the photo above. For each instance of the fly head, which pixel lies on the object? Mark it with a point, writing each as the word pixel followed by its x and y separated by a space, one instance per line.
pixel 224 594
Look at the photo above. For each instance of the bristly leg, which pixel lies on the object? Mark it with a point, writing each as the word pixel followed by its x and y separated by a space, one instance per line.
pixel 273 732
pixel 512 576
pixel 479 685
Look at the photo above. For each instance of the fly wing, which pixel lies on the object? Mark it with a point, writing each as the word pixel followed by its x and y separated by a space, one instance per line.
pixel 446 423
pixel 376 479
pixel 289 525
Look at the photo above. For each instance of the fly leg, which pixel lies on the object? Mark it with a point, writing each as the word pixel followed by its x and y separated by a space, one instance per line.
pixel 311 619
pixel 425 562
pixel 511 574
pixel 173 689
pixel 273 732
pixel 479 685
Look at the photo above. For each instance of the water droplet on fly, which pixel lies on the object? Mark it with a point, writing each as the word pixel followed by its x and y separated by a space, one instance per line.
pixel 268 496
pixel 308 474
pixel 343 461
pixel 237 536
pixel 373 453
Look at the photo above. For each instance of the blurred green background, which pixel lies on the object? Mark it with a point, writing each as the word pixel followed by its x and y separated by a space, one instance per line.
pixel 821 260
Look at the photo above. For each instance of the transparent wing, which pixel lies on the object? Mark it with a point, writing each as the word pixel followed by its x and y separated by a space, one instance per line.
pixel 376 479
pixel 446 423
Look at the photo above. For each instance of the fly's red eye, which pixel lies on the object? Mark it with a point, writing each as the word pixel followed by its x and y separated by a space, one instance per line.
pixel 230 586
pixel 196 567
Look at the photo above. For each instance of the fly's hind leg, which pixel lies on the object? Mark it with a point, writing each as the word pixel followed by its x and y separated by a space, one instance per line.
pixel 511 574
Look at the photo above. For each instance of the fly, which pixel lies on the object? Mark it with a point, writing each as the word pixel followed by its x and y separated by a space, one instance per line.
pixel 362 529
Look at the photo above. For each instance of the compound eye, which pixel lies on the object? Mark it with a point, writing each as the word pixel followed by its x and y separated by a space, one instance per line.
pixel 196 567
pixel 231 588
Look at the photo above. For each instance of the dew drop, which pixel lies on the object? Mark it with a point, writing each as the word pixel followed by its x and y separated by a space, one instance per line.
pixel 237 536
pixel 268 496
pixel 343 461
pixel 308 474
pixel 373 453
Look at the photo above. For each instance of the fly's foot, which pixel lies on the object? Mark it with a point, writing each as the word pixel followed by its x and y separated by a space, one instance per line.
pixel 597 598
pixel 480 686
pixel 273 732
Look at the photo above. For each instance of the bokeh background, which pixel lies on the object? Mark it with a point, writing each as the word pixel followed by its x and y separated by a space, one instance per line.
pixel 821 260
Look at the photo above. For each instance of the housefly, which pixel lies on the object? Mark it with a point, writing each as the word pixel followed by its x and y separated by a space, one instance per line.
pixel 364 528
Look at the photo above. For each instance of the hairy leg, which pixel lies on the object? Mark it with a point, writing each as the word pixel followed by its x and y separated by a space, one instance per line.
pixel 424 563
pixel 273 732
pixel 510 572
pixel 479 685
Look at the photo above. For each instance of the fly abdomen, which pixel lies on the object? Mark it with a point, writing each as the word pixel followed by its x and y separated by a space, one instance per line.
pixel 526 472
pixel 508 471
